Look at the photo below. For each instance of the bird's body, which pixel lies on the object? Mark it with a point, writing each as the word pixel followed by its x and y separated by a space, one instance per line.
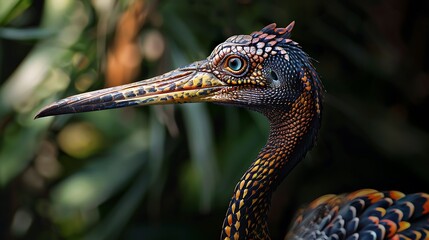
pixel 268 72
pixel 364 214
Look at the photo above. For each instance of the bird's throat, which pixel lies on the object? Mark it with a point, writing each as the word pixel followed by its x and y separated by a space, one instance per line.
pixel 292 133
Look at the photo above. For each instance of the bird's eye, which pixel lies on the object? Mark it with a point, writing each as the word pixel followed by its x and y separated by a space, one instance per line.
pixel 235 64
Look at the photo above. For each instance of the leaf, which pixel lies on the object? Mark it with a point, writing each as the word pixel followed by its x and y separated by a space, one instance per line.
pixel 91 186
pixel 201 144
pixel 10 9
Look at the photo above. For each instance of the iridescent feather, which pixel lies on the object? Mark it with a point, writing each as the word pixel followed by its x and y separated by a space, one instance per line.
pixel 364 214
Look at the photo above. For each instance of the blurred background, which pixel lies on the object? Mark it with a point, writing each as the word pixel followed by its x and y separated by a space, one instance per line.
pixel 168 172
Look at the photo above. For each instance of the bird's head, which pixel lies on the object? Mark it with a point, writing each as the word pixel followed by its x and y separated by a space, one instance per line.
pixel 261 71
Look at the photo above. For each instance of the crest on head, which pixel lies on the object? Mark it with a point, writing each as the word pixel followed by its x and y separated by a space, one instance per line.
pixel 272 35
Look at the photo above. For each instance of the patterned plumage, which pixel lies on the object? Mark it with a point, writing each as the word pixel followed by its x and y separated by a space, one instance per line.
pixel 292 103
pixel 364 214
pixel 268 72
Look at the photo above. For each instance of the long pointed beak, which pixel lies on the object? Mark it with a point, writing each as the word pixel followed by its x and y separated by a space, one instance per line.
pixel 187 84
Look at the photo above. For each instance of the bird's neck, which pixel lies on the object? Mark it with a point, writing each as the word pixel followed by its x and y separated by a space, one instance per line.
pixel 292 133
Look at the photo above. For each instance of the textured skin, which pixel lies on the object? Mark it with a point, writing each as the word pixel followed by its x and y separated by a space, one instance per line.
pixel 268 72
pixel 364 214
pixel 291 100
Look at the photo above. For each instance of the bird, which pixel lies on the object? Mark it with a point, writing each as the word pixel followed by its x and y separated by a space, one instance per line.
pixel 267 72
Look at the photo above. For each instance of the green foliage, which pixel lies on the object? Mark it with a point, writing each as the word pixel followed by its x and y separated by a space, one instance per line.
pixel 167 172
pixel 11 9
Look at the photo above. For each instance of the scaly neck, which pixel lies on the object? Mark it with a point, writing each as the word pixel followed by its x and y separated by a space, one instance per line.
pixel 292 133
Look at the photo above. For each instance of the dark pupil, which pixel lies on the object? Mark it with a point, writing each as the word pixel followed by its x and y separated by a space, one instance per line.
pixel 274 75
pixel 235 64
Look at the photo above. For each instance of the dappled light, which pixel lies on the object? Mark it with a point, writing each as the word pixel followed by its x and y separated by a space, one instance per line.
pixel 80 140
